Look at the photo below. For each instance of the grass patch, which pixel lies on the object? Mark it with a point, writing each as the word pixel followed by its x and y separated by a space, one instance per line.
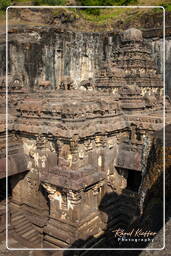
pixel 97 12
pixel 49 2
pixel 21 1
pixel 105 16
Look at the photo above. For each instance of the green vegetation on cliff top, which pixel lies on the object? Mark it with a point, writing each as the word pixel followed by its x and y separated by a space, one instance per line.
pixel 166 3
pixel 95 15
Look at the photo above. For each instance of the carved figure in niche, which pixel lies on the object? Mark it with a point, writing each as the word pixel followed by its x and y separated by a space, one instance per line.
pixel 133 135
pixel 40 142
pixel 67 83
pixel 16 82
pixel 81 151
pixel 98 141
pixel 53 193
pixel 87 84
pixel 74 143
pixel 88 145
pixel 64 155
pixel 51 146
pixel 115 92
pixel 111 142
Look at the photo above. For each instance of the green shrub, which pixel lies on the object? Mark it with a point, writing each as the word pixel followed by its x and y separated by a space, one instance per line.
pixel 54 2
pixel 4 4
pixel 49 2
pixel 106 2
pixel 95 11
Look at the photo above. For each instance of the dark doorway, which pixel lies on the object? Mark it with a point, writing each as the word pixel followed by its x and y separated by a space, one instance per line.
pixel 3 188
pixel 134 180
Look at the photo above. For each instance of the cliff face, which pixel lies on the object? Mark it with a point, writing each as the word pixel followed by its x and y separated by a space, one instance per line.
pixel 157 50
pixel 52 55
pixel 168 65
pixel 49 54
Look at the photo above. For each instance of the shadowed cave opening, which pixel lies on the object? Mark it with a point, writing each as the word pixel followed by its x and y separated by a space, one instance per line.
pixel 3 188
pixel 134 180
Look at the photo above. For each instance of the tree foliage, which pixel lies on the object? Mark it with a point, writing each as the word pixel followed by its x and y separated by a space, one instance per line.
pixel 4 4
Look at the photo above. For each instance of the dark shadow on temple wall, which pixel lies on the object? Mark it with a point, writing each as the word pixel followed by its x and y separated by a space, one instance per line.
pixel 151 219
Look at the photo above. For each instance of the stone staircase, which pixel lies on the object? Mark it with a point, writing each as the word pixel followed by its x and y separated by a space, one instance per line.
pixel 24 231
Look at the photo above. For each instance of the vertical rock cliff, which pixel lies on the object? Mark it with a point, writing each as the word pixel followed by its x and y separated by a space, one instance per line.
pixel 49 54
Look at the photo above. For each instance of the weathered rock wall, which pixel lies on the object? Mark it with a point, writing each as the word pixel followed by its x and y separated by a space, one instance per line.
pixel 157 50
pixel 51 55
pixel 2 58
